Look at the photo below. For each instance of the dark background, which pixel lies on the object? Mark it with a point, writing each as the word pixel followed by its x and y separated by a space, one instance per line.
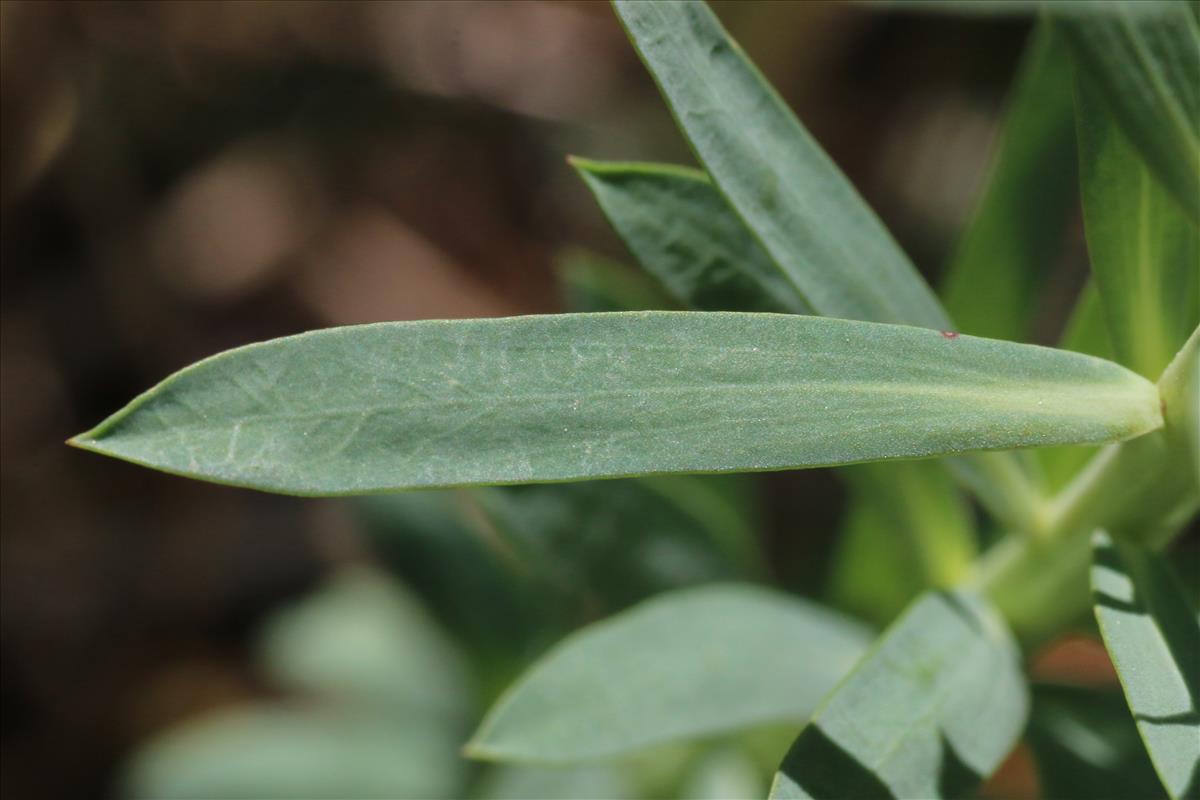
pixel 179 178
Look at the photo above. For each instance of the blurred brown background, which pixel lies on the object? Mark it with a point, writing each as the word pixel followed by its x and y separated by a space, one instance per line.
pixel 181 177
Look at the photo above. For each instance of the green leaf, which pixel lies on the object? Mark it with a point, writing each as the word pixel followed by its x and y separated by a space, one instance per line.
pixel 682 232
pixel 1153 635
pixel 296 754
pixel 1085 332
pixel 583 782
pixel 683 665
pixel 814 227
pixel 933 709
pixel 1145 64
pixel 1086 746
pixel 806 215
pixel 434 541
pixel 1145 252
pixel 1003 259
pixel 387 705
pixel 723 774
pixel 907 530
pixel 602 545
pixel 532 399
pixel 594 283
pixel 363 638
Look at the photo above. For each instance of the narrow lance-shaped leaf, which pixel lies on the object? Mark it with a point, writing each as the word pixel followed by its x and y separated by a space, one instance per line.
pixel 682 231
pixel 532 399
pixel 807 216
pixel 681 666
pixel 804 213
pixel 684 234
pixel 1003 258
pixel 1144 60
pixel 1145 253
pixel 1153 636
pixel 933 708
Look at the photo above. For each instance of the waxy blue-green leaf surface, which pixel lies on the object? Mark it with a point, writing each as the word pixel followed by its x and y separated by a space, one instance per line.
pixel 806 215
pixel 683 665
pixel 545 398
pixel 793 198
pixel 684 234
pixel 1152 632
pixel 933 709
pixel 1145 62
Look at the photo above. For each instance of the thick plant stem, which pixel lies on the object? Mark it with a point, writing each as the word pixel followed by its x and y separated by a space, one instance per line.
pixel 1144 490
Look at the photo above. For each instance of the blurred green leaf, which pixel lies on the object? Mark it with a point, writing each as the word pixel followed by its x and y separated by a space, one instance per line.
pixel 603 545
pixel 295 754
pixel 385 706
pixel 584 782
pixel 907 530
pixel 1086 746
pixel 1003 259
pixel 723 773
pixel 933 709
pixel 593 283
pixel 1145 63
pixel 807 216
pixel 812 224
pixel 1153 635
pixel 441 403
pixel 363 638
pixel 680 666
pixel 437 542
pixel 682 232
pixel 1145 252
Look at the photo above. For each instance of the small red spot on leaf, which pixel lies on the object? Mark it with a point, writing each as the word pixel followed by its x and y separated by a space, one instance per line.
pixel 950 334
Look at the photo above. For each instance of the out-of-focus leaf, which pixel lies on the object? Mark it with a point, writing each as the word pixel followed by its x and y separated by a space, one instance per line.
pixel 265 752
pixel 1145 252
pixel 933 708
pixel 907 530
pixel 1003 258
pixel 683 665
pixel 602 545
pixel 594 283
pixel 1144 61
pixel 723 774
pixel 387 701
pixel 684 234
pixel 807 216
pixel 581 782
pixel 1153 635
pixel 1087 747
pixel 439 545
pixel 363 638
pixel 532 399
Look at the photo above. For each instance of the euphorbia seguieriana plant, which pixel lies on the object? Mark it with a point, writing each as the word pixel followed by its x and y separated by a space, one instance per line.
pixel 810 340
